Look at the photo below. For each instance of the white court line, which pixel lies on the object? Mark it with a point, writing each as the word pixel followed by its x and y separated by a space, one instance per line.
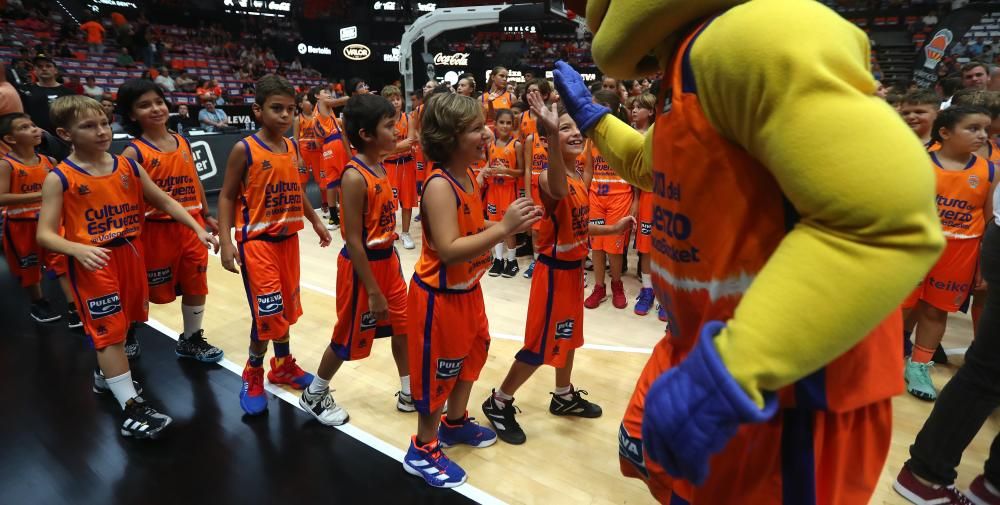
pixel 468 490
pixel 501 336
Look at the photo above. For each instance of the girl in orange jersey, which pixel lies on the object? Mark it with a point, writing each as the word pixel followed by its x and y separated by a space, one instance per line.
pixel 496 97
pixel 554 327
pixel 310 149
pixel 964 200
pixel 401 165
pixel 21 174
pixel 446 315
pixel 500 177
pixel 175 259
pixel 642 109
pixel 526 122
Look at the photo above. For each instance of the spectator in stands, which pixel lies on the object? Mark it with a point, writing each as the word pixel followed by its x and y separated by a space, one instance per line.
pixel 92 90
pixel 975 75
pixel 95 36
pixel 976 48
pixel 165 82
pixel 73 83
pixel 125 59
pixel 211 118
pixel 113 120
pixel 185 83
pixel 959 49
pixel 37 97
pixel 296 65
pixel 609 83
pixel 10 101
pixel 947 87
pixel 182 120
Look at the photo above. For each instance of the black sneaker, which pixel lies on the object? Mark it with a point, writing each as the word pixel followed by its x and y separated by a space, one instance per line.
pixel 335 216
pixel 132 349
pixel 139 420
pixel 195 347
pixel 73 320
pixel 575 405
pixel 940 357
pixel 503 420
pixel 101 384
pixel 510 268
pixel 497 268
pixel 42 312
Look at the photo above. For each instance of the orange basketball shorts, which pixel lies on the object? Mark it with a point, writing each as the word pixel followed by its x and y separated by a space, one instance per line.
pixel 356 329
pixel 608 210
pixel 421 160
pixel 554 324
pixel 800 456
pixel 176 261
pixel 536 196
pixel 949 282
pixel 332 162
pixel 500 193
pixel 644 238
pixel 448 339
pixel 402 174
pixel 25 257
pixel 271 279
pixel 311 159
pixel 110 299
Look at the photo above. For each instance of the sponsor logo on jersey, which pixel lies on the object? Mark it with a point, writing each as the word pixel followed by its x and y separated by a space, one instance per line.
pixel 270 304
pixel 27 261
pixel 104 305
pixel 630 448
pixel 159 276
pixel 449 368
pixel 367 321
pixel 564 329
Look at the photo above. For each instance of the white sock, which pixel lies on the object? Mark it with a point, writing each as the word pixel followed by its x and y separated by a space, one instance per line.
pixel 318 385
pixel 122 387
pixel 193 316
pixel 534 255
pixel 498 251
pixel 404 384
pixel 647 282
pixel 511 254
pixel 564 392
pixel 501 398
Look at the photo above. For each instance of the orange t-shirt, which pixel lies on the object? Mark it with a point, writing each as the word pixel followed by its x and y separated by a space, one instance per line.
pixel 98 209
pixel 961 196
pixel 174 172
pixel 379 219
pixel 95 32
pixel 26 179
pixel 605 181
pixel 270 202
pixel 565 231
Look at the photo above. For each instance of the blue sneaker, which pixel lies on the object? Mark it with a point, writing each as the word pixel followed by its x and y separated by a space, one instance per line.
pixel 431 463
pixel 661 313
pixel 468 432
pixel 253 399
pixel 530 270
pixel 644 302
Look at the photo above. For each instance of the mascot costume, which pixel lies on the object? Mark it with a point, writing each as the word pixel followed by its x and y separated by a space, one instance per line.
pixel 793 213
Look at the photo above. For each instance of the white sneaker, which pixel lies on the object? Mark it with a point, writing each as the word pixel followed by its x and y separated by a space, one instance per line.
pixel 323 408
pixel 404 402
pixel 407 240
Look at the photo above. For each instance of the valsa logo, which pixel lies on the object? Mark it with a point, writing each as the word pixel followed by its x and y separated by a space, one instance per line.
pixel 104 306
pixel 270 304
pixel 203 160
pixel 449 368
pixel 307 49
pixel 452 60
pixel 936 48
pixel 357 52
pixel 564 329
pixel 159 276
pixel 367 321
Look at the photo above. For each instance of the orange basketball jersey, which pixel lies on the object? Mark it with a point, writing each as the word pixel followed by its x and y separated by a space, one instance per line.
pixel 528 126
pixel 503 101
pixel 539 155
pixel 605 181
pixel 174 172
pixel 307 134
pixel 464 275
pixel 961 196
pixel 502 157
pixel 98 209
pixel 564 234
pixel 270 200
pixel 26 179
pixel 402 129
pixel 379 219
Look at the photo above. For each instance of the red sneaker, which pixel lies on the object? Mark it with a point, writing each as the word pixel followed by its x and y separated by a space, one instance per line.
pixel 599 294
pixel 289 374
pixel 919 493
pixel 618 295
pixel 983 493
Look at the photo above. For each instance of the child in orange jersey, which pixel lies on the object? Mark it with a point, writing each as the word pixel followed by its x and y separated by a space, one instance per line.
pixel 496 97
pixel 919 108
pixel 401 165
pixel 447 327
pixel 334 150
pixel 503 170
pixel 310 149
pixel 964 200
pixel 371 292
pixel 642 110
pixel 22 172
pixel 554 328
pixel 262 198
pixel 527 123
pixel 98 199
pixel 612 199
pixel 176 262
pixel 536 161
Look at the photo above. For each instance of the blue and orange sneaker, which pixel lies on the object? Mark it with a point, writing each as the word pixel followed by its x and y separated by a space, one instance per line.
pixel 430 462
pixel 467 432
pixel 644 302
pixel 253 399
pixel 289 373
pixel 530 270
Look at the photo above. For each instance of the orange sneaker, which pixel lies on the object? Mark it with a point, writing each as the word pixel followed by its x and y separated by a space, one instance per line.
pixel 289 374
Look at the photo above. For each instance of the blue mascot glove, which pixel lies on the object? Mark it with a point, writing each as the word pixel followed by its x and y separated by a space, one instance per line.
pixel 694 409
pixel 577 98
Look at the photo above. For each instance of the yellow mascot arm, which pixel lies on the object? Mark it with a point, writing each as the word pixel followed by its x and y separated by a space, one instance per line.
pixel 627 151
pixel 855 173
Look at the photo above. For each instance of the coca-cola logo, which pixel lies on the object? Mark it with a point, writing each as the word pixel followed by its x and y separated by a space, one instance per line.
pixel 452 60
